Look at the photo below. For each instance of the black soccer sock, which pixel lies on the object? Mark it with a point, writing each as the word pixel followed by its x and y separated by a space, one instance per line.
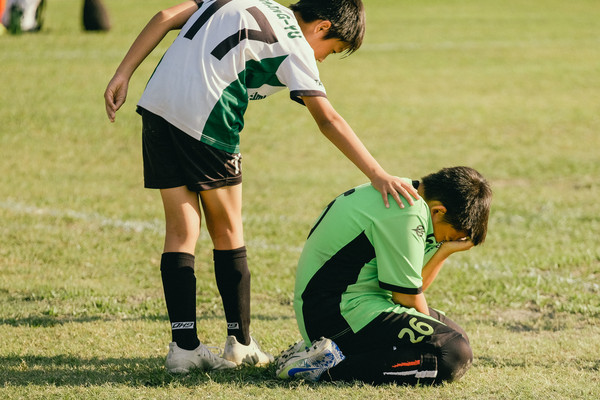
pixel 233 280
pixel 179 284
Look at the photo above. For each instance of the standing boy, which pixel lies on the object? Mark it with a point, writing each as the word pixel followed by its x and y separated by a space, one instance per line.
pixel 360 283
pixel 229 51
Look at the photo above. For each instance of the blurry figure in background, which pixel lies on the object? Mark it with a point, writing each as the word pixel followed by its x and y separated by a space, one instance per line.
pixel 28 15
pixel 23 15
pixel 95 16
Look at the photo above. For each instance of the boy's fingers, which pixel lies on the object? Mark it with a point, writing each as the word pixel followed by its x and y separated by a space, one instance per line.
pixel 113 101
pixel 110 111
pixel 458 245
pixel 384 196
pixel 415 193
pixel 411 192
pixel 396 195
pixel 406 191
pixel 408 195
pixel 397 188
pixel 109 103
pixel 115 96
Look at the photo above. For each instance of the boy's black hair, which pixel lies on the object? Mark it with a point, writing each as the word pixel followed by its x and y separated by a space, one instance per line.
pixel 467 197
pixel 347 19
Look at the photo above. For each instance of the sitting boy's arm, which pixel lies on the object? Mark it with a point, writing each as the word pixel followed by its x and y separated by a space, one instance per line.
pixel 337 130
pixel 163 22
pixel 416 301
pixel 435 263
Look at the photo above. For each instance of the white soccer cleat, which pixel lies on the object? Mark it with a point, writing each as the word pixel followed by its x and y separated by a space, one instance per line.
pixel 180 361
pixel 251 354
pixel 286 354
pixel 310 363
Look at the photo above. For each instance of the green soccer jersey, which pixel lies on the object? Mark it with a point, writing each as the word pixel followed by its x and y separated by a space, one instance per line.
pixel 356 255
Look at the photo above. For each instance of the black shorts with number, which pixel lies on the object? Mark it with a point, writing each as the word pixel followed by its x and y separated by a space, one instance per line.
pixel 173 158
pixel 404 348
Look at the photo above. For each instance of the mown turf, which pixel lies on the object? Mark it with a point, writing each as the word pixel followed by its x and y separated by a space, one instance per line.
pixel 510 88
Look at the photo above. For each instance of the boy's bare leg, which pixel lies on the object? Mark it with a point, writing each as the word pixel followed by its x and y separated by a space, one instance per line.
pixel 223 212
pixel 182 217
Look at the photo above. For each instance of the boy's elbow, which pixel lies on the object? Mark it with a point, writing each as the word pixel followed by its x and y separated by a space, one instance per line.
pixel 161 16
pixel 329 123
pixel 417 301
pixel 170 18
pixel 325 126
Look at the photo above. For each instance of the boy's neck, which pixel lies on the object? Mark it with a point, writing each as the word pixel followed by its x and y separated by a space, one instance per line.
pixel 420 188
pixel 298 18
pixel 301 22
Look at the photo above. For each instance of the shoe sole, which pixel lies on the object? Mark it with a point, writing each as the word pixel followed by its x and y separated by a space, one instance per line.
pixel 286 354
pixel 178 370
pixel 204 366
pixel 334 353
pixel 248 361
pixel 182 370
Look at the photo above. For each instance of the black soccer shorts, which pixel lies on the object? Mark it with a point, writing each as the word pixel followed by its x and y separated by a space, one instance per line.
pixel 173 158
pixel 404 348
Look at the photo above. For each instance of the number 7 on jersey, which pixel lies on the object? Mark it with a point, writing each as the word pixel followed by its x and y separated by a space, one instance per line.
pixel 265 34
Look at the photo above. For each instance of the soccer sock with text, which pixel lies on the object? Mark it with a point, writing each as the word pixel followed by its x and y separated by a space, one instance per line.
pixel 179 284
pixel 233 280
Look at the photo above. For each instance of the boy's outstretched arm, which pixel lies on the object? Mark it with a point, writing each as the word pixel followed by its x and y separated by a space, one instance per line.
pixel 337 130
pixel 163 22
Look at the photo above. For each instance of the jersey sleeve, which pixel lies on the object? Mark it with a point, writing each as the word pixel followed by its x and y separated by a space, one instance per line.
pixel 399 244
pixel 300 74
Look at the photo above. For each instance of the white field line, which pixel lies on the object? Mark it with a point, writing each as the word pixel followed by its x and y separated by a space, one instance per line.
pixel 129 225
pixel 156 227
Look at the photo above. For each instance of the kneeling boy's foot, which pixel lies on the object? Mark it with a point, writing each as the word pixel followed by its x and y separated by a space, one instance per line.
pixel 180 361
pixel 310 364
pixel 250 354
pixel 290 351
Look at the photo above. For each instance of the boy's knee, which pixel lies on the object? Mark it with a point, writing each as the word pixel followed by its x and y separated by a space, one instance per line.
pixel 455 359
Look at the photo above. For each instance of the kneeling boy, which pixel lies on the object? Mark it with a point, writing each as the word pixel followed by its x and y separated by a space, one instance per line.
pixel 360 281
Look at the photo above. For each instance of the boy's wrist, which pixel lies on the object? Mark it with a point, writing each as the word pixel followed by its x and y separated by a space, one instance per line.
pixel 123 73
pixel 442 251
pixel 447 248
pixel 377 172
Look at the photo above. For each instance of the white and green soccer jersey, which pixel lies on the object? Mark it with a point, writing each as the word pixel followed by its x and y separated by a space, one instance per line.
pixel 230 52
pixel 356 255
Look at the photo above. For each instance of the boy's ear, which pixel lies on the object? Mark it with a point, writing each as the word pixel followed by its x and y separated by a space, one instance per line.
pixel 437 208
pixel 323 26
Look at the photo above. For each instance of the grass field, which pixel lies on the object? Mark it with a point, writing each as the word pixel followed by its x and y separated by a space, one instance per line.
pixel 511 88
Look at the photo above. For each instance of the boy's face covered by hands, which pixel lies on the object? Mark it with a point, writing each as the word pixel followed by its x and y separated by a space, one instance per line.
pixel 452 240
pixel 442 230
